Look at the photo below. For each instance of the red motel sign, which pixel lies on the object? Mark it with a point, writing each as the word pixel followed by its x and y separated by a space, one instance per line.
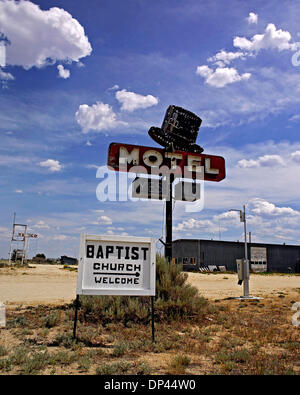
pixel 125 157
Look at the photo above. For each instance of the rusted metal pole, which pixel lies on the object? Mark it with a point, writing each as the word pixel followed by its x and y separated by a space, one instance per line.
pixel 169 219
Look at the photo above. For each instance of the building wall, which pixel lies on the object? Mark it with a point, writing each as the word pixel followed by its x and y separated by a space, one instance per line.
pixel 280 258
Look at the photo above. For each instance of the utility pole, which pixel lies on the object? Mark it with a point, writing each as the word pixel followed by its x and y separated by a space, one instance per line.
pixel 11 240
pixel 246 262
pixel 246 271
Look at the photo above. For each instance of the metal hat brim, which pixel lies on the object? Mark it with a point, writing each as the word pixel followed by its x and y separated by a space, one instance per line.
pixel 180 144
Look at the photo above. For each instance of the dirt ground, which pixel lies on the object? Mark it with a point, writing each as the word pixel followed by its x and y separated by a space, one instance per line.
pixel 52 284
pixel 228 337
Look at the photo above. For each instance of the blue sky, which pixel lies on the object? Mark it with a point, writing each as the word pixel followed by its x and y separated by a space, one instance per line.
pixel 80 75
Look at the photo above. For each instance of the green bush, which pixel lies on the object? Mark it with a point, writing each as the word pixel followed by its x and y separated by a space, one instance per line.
pixel 51 320
pixel 120 349
pixel 3 351
pixel 117 368
pixel 174 299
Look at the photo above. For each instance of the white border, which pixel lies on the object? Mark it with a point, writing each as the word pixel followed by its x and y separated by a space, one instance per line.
pixel 115 238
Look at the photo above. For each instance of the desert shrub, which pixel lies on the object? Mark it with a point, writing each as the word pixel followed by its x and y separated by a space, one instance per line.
pixel 179 363
pixel 6 364
pixel 120 348
pixel 51 320
pixel 19 355
pixel 3 264
pixel 64 340
pixel 174 299
pixel 84 363
pixel 34 363
pixel 117 368
pixel 3 351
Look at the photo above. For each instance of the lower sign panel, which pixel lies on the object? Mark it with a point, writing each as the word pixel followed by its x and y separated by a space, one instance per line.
pixel 149 188
pixel 116 265
pixel 187 191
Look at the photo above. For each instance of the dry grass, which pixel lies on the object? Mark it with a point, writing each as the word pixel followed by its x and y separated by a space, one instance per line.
pixel 233 337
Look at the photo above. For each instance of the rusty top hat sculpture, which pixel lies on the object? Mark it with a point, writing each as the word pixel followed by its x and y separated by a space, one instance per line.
pixel 179 130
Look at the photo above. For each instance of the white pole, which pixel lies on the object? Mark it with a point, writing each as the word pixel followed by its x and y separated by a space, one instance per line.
pixel 12 236
pixel 246 263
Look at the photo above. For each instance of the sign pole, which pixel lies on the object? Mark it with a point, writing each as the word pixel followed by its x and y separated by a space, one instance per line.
pixel 75 318
pixel 152 314
pixel 169 212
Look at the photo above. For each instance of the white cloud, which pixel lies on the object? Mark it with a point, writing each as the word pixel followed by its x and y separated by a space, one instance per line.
pixel 205 225
pixel 263 207
pixel 104 220
pixel 132 101
pixel 6 76
pixel 41 225
pixel 228 216
pixel 270 39
pixel 113 88
pixel 295 118
pixel 52 164
pixel 222 76
pixel 97 117
pixel 223 58
pixel 60 237
pixel 252 18
pixel 62 72
pixel 262 161
pixel 296 156
pixel 88 143
pixel 18 191
pixel 38 38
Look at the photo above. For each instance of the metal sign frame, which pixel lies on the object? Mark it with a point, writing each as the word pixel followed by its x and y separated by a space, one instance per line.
pixel 148 271
pixel 128 292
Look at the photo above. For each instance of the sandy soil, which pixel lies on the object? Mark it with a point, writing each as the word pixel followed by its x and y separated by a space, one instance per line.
pixel 51 284
pixel 223 285
pixel 39 284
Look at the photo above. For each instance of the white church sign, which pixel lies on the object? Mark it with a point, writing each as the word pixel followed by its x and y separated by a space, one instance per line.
pixel 116 265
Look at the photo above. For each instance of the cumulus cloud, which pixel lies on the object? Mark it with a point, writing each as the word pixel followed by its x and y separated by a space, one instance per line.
pixel 132 101
pixel 262 161
pixel 60 237
pixel 113 88
pixel 6 76
pixel 263 207
pixel 104 220
pixel 97 117
pixel 52 165
pixel 205 224
pixel 229 216
pixel 224 58
pixel 62 72
pixel 270 39
pixel 294 118
pixel 41 225
pixel 252 18
pixel 38 38
pixel 222 76
pixel 296 156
